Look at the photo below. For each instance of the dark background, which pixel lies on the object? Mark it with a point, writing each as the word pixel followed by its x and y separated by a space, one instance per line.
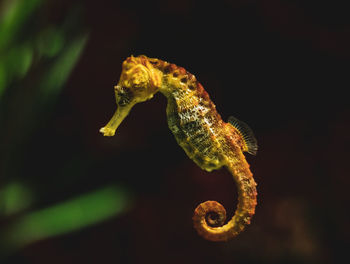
pixel 281 66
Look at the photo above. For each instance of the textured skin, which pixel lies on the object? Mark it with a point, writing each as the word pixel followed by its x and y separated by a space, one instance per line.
pixel 199 130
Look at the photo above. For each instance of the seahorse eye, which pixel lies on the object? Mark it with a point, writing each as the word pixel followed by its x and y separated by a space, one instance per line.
pixel 124 96
pixel 154 62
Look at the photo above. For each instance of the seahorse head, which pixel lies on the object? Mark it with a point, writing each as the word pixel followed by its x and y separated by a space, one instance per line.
pixel 138 82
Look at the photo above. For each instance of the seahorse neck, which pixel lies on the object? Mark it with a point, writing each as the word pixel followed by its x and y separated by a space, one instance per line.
pixel 176 87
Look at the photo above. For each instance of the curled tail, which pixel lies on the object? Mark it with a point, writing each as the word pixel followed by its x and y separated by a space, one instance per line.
pixel 209 217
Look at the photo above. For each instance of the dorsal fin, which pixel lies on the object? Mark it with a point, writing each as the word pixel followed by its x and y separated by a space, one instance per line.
pixel 249 140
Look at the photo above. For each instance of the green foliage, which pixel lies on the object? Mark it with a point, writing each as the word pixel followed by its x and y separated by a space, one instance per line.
pixel 15 197
pixel 36 59
pixel 50 42
pixel 14 16
pixel 67 216
pixel 53 45
pixel 2 77
pixel 62 67
pixel 15 57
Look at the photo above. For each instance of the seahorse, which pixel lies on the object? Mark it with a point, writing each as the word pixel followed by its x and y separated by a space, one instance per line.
pixel 198 128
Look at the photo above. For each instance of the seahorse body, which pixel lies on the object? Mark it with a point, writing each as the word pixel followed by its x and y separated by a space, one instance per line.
pixel 199 130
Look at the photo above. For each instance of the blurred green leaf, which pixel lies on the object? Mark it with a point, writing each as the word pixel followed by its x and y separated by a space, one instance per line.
pixel 2 78
pixel 50 42
pixel 15 63
pixel 62 67
pixel 14 15
pixel 68 216
pixel 15 197
pixel 25 60
pixel 19 59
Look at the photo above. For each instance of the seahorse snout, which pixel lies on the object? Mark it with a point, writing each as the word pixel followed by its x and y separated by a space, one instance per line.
pixel 117 118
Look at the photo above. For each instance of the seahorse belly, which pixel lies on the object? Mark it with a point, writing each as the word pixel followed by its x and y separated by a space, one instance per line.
pixel 193 128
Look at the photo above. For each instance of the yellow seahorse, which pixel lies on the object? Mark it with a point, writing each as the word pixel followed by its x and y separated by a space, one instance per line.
pixel 199 130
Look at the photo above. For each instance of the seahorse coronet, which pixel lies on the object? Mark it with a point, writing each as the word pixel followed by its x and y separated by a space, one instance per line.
pixel 199 129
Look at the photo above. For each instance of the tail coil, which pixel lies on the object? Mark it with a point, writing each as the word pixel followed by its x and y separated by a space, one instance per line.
pixel 209 217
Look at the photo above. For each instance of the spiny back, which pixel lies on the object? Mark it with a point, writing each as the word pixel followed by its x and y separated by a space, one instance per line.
pixel 192 116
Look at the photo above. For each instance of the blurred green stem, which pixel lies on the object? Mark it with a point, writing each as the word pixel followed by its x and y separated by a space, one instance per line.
pixel 66 217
